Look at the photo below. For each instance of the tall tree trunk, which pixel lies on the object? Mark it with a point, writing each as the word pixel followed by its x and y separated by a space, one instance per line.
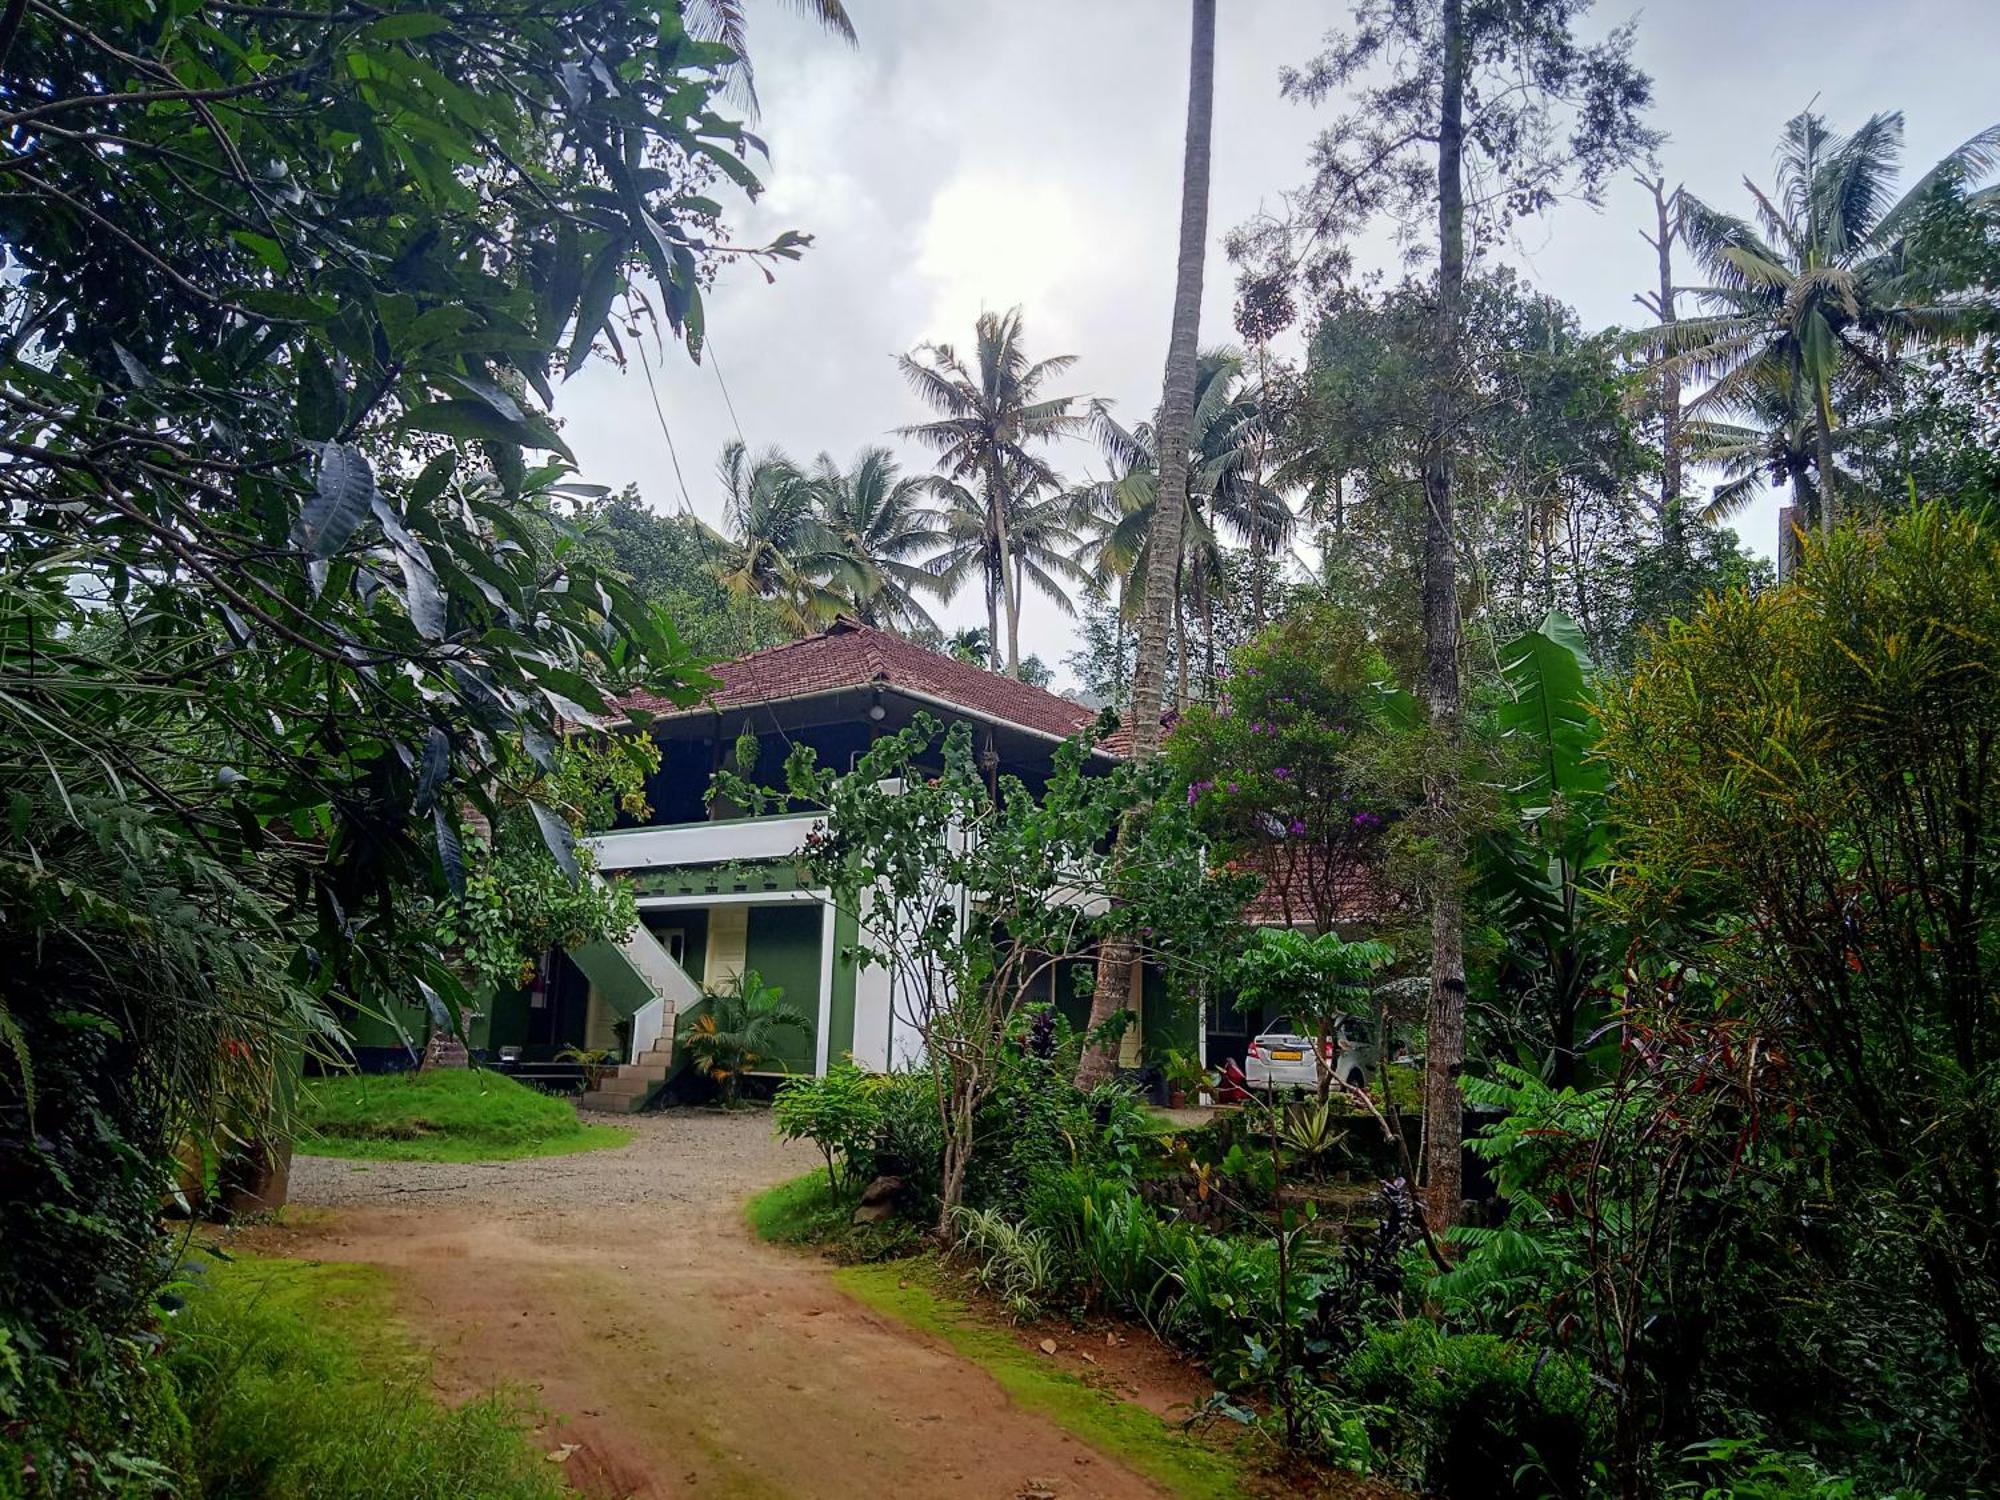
pixel 1115 958
pixel 1829 505
pixel 993 622
pixel 997 511
pixel 1666 208
pixel 1180 650
pixel 1257 489
pixel 1444 1040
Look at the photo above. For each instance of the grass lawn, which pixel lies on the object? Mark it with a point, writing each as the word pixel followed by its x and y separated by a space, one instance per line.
pixel 446 1114
pixel 915 1293
pixel 297 1382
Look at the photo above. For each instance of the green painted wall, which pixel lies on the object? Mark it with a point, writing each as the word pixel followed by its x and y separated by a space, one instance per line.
pixel 783 947
pixel 739 878
pixel 840 1013
pixel 1170 1017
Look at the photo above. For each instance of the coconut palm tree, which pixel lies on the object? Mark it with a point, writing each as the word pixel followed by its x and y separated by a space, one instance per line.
pixel 971 645
pixel 1765 436
pixel 783 551
pixel 992 415
pixel 1030 541
pixel 1226 493
pixel 877 520
pixel 1823 292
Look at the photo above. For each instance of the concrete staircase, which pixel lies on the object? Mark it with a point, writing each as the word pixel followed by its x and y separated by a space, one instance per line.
pixel 631 1087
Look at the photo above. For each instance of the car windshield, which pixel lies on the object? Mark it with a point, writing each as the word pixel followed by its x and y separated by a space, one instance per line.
pixel 1282 1026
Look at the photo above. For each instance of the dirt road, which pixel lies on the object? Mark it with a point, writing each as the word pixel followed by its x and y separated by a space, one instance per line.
pixel 680 1355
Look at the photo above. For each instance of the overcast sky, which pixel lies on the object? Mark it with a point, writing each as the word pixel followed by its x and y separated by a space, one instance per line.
pixel 975 154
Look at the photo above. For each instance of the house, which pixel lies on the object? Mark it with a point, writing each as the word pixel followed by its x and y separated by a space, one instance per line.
pixel 718 892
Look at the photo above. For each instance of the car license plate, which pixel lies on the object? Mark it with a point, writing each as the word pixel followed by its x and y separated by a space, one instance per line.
pixel 1287 1056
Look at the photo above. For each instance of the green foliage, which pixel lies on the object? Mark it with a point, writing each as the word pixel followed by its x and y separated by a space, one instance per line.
pixel 1814 307
pixel 290 587
pixel 256 1335
pixel 966 901
pixel 841 1113
pixel 1804 787
pixel 1481 1416
pixel 1745 1469
pixel 733 1031
pixel 1543 868
pixel 674 561
pixel 809 1211
pixel 1305 768
pixel 442 1114
pixel 1547 470
pixel 515 901
pixel 1010 1261
pixel 911 1143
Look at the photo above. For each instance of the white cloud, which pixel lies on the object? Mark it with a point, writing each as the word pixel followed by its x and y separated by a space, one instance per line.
pixel 975 154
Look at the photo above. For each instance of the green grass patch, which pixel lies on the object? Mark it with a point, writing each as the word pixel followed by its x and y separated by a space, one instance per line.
pixel 1183 1466
pixel 806 1211
pixel 298 1384
pixel 444 1114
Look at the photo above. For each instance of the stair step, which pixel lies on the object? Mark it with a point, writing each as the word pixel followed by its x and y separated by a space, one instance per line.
pixel 611 1104
pixel 657 1056
pixel 625 1081
pixel 655 1071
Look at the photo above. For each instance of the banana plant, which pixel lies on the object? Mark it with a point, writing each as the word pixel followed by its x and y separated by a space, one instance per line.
pixel 1538 870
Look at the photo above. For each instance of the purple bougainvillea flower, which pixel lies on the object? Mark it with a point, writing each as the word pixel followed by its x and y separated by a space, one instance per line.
pixel 1366 820
pixel 1283 773
pixel 1297 828
pixel 1232 788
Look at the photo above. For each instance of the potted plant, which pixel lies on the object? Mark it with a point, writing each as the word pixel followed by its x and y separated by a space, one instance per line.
pixel 1186 1078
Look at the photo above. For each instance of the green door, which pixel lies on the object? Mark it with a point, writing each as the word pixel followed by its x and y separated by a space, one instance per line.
pixel 783 946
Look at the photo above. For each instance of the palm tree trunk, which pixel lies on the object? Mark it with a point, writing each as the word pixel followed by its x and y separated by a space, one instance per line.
pixel 1180 651
pixel 1823 445
pixel 992 622
pixel 1115 957
pixel 997 508
pixel 1444 1039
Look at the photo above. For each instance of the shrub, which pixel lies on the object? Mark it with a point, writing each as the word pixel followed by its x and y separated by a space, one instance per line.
pixel 1011 1261
pixel 1745 1469
pixel 1486 1417
pixel 911 1142
pixel 841 1113
pixel 733 1030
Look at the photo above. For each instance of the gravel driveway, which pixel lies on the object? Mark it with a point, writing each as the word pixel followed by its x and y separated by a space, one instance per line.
pixel 623 1293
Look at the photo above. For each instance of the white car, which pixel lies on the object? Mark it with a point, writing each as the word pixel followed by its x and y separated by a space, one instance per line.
pixel 1281 1057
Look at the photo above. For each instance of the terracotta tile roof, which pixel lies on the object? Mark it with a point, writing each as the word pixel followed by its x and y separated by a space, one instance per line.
pixel 848 654
pixel 1302 884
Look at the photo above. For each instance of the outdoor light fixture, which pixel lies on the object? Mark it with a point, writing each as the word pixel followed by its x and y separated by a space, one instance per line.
pixel 875 710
